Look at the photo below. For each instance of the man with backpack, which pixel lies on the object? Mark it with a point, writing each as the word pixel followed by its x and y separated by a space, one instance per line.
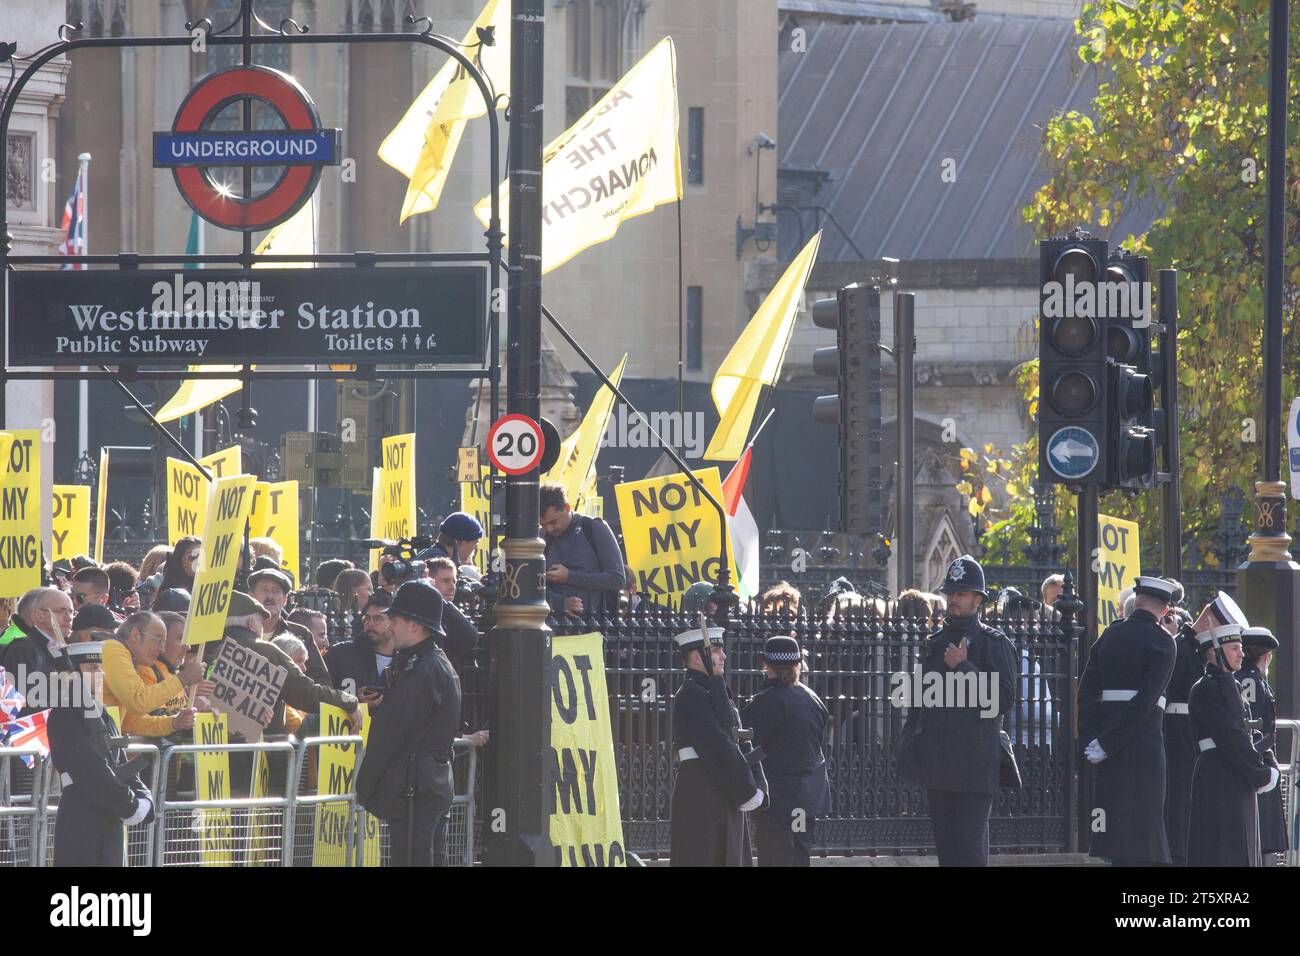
pixel 584 567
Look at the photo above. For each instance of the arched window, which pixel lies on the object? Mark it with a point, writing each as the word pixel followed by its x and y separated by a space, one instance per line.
pixel 943 549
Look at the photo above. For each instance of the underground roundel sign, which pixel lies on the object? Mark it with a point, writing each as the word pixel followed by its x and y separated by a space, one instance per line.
pixel 214 157
pixel 515 444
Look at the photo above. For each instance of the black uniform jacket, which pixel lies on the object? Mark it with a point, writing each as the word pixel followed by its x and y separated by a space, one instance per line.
pixel 1128 809
pixel 1180 742
pixel 789 721
pixel 1260 705
pixel 1222 829
pixel 88 828
pixel 708 828
pixel 411 736
pixel 956 748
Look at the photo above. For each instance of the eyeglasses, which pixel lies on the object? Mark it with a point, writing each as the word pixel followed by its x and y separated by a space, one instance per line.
pixel 375 618
pixel 58 611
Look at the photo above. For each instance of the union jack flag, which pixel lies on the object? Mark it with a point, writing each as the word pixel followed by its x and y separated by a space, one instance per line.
pixel 11 698
pixel 28 730
pixel 74 223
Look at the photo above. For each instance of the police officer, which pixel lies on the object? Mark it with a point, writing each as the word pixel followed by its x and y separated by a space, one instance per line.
pixel 1121 712
pixel 715 784
pixel 788 721
pixel 1180 741
pixel 1223 828
pixel 954 748
pixel 1258 645
pixel 101 793
pixel 405 776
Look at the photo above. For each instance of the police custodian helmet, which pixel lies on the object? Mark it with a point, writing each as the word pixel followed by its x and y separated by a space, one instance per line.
pixel 964 574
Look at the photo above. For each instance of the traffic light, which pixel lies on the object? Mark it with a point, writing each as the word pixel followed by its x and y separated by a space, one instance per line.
pixel 855 364
pixel 1135 424
pixel 1073 379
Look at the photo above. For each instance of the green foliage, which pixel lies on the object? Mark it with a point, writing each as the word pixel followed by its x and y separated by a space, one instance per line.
pixel 1180 117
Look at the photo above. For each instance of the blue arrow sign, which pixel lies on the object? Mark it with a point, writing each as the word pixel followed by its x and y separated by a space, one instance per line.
pixel 1072 452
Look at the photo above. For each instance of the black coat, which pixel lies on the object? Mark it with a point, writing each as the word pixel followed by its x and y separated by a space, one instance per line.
pixel 411 736
pixel 1128 805
pixel 708 827
pixel 1260 705
pixel 789 721
pixel 28 655
pixel 352 665
pixel 1180 743
pixel 1223 829
pixel 88 828
pixel 461 636
pixel 948 747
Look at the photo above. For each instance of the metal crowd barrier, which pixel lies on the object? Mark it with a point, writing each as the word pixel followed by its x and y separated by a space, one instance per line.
pixel 22 822
pixel 1287 782
pixel 276 828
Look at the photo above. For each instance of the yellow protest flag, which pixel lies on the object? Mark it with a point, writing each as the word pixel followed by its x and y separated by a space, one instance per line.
pixel 101 504
pixel 212 777
pixel 423 144
pixel 586 824
pixel 755 360
pixel 620 160
pixel 69 521
pixel 228 508
pixel 1119 562
pixel 578 452
pixel 671 532
pixel 20 512
pixel 275 516
pixel 197 394
pixel 398 494
pixel 296 236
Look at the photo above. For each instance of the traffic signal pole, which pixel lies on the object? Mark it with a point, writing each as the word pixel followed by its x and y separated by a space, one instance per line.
pixel 516 818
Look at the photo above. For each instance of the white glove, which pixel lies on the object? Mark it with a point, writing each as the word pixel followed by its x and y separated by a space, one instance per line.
pixel 141 811
pixel 753 803
pixel 1094 753
pixel 1273 777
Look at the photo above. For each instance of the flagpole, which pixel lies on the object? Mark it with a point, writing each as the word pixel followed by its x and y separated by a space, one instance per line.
pixel 83 387
pixel 681 326
pixel 200 248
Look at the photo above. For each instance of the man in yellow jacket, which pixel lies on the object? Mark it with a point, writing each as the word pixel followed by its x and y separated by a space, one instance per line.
pixel 138 642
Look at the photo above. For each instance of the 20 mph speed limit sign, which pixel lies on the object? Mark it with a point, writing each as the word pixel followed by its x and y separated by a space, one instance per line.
pixel 515 444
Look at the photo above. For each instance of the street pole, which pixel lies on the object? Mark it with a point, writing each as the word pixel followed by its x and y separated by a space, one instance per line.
pixel 1172 497
pixel 904 362
pixel 1087 509
pixel 517 815
pixel 1267 583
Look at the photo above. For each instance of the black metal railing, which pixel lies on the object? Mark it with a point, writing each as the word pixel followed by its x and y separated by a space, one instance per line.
pixel 854 663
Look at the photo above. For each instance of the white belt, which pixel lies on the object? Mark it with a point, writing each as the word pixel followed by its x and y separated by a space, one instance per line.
pixel 65 778
pixel 1118 695
pixel 1176 709
pixel 1206 743
pixel 687 753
